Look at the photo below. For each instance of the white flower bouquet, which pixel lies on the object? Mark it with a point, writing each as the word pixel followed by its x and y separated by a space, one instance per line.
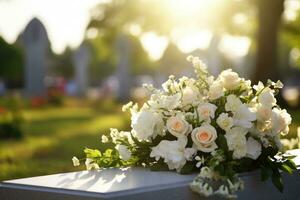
pixel 217 126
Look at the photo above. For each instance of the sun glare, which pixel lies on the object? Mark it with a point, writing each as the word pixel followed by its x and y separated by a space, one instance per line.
pixel 154 44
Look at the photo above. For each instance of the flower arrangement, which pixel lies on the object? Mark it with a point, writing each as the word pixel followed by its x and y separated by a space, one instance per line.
pixel 217 126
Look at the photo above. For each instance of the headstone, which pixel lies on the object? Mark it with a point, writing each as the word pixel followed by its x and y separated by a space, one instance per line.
pixel 136 184
pixel 123 48
pixel 36 44
pixel 214 56
pixel 81 60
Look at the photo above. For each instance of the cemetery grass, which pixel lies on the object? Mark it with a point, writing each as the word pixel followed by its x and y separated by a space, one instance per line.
pixel 52 136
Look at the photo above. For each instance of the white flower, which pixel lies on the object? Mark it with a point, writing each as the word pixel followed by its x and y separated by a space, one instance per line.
pixel 259 86
pixel 263 113
pixel 90 164
pixel 280 121
pixel 224 121
pixel 206 172
pixel 189 153
pixel 200 161
pixel 244 117
pixel 278 84
pixel 236 141
pixel 223 190
pixel 146 125
pixel 75 161
pixel 233 103
pixel 173 152
pixel 253 148
pixel 189 95
pixel 266 98
pixel 168 102
pixel 104 139
pixel 178 126
pixel 229 79
pixel 204 138
pixel 216 90
pixel 197 63
pixel 170 85
pixel 120 135
pixel 124 153
pixel 206 111
pixel 127 106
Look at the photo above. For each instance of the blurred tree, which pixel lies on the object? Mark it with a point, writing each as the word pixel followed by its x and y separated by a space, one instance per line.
pixel 63 64
pixel 262 24
pixel 11 69
pixel 269 18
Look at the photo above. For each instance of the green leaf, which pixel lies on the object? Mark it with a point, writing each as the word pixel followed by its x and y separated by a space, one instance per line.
pixel 265 173
pixel 286 168
pixel 277 181
pixel 291 164
pixel 159 166
pixel 222 143
pixel 92 153
pixel 188 168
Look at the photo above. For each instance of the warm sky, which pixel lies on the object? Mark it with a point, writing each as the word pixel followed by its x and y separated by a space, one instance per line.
pixel 66 21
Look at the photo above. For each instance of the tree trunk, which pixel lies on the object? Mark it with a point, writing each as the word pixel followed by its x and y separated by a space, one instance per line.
pixel 269 17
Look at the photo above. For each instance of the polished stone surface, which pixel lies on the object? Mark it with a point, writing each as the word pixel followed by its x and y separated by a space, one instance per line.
pixel 134 183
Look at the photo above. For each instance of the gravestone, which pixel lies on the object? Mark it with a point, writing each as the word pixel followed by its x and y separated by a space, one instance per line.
pixel 123 48
pixel 80 61
pixel 36 45
pixel 214 56
pixel 136 184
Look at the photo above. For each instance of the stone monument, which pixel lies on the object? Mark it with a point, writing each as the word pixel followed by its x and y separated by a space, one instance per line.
pixel 36 44
pixel 80 61
pixel 123 48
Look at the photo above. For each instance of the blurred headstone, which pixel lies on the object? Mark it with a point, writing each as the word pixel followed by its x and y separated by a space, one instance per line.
pixel 36 44
pixel 2 88
pixel 123 68
pixel 80 60
pixel 214 56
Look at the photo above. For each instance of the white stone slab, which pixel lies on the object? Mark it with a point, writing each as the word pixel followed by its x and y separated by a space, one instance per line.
pixel 133 183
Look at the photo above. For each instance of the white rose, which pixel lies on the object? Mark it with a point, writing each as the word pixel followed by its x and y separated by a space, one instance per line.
pixel 266 98
pixel 189 95
pixel 233 103
pixel 75 161
pixel 224 121
pixel 263 113
pixel 146 125
pixel 124 153
pixel 244 117
pixel 253 148
pixel 229 79
pixel 216 91
pixel 236 141
pixel 173 152
pixel 178 126
pixel 204 138
pixel 206 111
pixel 280 121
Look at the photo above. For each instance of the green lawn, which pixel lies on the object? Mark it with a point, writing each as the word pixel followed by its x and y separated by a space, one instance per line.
pixel 52 137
